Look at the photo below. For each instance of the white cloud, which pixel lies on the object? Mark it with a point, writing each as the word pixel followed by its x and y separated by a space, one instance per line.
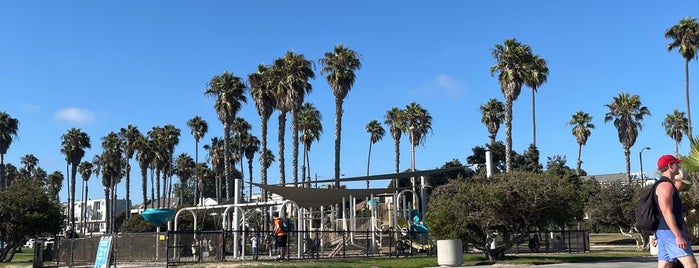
pixel 74 115
pixel 449 85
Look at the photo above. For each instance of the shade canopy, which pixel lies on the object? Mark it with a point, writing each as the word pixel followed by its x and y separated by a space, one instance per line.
pixel 316 197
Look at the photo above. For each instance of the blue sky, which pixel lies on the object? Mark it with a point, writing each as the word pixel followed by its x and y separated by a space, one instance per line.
pixel 100 66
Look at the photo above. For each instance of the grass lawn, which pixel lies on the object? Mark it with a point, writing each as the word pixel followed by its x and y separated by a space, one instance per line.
pixel 24 259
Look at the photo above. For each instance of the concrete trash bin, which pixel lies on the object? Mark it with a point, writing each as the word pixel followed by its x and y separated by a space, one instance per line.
pixel 450 252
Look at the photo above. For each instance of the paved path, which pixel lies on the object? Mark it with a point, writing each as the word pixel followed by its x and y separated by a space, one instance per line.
pixel 645 262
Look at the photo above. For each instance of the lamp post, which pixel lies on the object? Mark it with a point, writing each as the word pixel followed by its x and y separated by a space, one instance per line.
pixel 640 160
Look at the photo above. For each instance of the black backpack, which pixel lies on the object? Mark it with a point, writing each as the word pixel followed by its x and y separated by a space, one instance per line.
pixel 647 214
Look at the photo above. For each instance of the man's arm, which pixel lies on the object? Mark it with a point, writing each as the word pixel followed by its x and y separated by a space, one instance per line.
pixel 665 192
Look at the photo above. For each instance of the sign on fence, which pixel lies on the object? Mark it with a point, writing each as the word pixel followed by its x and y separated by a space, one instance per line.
pixel 104 249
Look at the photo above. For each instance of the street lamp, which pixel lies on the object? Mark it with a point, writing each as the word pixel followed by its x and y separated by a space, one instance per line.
pixel 640 160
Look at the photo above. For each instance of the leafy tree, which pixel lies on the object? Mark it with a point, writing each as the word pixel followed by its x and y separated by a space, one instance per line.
pixel 376 133
pixel 581 130
pixel 685 37
pixel 529 160
pixel 675 125
pixel 627 113
pixel 340 66
pixel 497 155
pixel 8 131
pixel 614 206
pixel 509 205
pixel 26 210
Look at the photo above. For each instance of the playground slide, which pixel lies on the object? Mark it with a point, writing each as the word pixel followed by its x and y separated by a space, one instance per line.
pixel 420 240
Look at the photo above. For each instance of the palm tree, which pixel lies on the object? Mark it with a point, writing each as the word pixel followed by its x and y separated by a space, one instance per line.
pixel 538 76
pixel 340 66
pixel 112 165
pixel 241 128
pixel 85 170
pixel 675 125
pixel 581 130
pixel 685 37
pixel 311 127
pixel 293 72
pixel 8 130
pixel 251 146
pixel 627 113
pixel 30 163
pixel 394 119
pixel 128 136
pixel 184 168
pixel 171 137
pixel 216 158
pixel 376 133
pixel 229 91
pixel 417 123
pixel 262 92
pixel 199 128
pixel 55 184
pixel 515 65
pixel 74 143
pixel 144 155
pixel 493 113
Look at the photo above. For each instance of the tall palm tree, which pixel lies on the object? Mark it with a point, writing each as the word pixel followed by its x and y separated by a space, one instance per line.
pixel 55 184
pixel 581 123
pixel 376 133
pixel 394 119
pixel 627 113
pixel 199 128
pixel 515 65
pixel 251 146
pixel 685 37
pixel 74 143
pixel 310 127
pixel 229 91
pixel 340 65
pixel 216 158
pixel 112 165
pixel 241 128
pixel 128 136
pixel 538 76
pixel 144 155
pixel 293 72
pixel 418 122
pixel 30 162
pixel 85 170
pixel 262 91
pixel 8 131
pixel 675 125
pixel 493 113
pixel 184 168
pixel 171 137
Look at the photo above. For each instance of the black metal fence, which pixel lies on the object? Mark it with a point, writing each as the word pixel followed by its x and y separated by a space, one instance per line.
pixel 182 247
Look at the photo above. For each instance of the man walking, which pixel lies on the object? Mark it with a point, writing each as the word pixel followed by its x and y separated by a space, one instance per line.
pixel 280 236
pixel 673 243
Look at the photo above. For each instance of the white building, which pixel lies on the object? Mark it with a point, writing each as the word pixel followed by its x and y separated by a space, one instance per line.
pixel 95 215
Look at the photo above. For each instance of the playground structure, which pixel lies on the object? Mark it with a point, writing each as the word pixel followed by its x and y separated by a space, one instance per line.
pixel 321 217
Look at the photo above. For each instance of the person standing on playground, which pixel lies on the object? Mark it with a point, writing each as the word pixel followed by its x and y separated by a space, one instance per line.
pixel 253 243
pixel 673 243
pixel 280 236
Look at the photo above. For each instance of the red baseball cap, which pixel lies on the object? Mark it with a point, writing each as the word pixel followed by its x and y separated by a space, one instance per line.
pixel 666 160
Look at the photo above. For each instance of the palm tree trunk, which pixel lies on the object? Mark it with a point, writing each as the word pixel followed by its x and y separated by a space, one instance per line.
pixel 250 178
pixel 579 161
pixel 157 186
pixel 627 155
pixel 338 139
pixel 686 90
pixel 282 124
pixel 227 159
pixel 128 187
pixel 295 145
pixel 73 171
pixel 508 134
pixel 397 151
pixel 263 169
pixel 107 215
pixel 534 117
pixel 368 162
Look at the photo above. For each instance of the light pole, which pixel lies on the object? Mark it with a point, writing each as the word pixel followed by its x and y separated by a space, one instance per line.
pixel 640 160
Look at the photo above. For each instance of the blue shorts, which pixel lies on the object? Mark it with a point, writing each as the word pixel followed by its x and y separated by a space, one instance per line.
pixel 667 246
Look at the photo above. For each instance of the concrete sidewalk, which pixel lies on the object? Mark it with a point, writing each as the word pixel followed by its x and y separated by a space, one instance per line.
pixel 645 262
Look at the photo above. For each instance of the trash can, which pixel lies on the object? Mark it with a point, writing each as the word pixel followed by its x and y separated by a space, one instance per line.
pixel 38 253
